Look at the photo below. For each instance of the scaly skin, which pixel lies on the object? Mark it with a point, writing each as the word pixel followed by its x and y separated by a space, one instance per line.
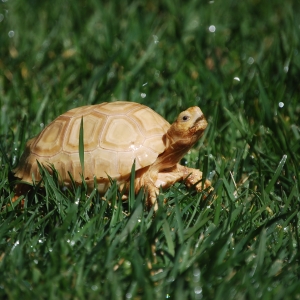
pixel 166 170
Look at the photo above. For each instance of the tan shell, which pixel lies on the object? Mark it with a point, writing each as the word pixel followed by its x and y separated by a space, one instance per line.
pixel 115 134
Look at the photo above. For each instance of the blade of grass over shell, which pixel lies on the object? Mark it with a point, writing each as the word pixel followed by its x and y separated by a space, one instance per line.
pixel 81 146
pixel 131 195
pixel 19 141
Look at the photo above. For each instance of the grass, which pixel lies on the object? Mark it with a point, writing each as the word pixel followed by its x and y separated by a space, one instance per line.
pixel 240 62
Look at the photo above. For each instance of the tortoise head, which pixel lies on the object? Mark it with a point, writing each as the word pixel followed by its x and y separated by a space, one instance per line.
pixel 188 127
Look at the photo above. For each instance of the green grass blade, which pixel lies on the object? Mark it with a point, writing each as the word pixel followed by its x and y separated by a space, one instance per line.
pixel 131 195
pixel 277 173
pixel 81 146
pixel 167 233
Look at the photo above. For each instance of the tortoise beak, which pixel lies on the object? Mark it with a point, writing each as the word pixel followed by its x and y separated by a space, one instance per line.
pixel 200 123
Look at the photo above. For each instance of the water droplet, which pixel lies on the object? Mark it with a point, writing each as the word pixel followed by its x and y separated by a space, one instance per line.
pixel 145 83
pixel 111 74
pixel 198 290
pixel 11 33
pixel 42 125
pixel 94 287
pixel 155 37
pixel 212 28
pixel 168 296
pixel 196 272
pixel 236 78
pixel 15 245
pixel 71 242
pixel 36 261
pixel 128 295
pixel 250 60
pixel 281 104
pixel 143 95
pixel 286 69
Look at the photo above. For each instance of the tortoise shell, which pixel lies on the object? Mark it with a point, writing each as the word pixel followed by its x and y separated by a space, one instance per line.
pixel 115 134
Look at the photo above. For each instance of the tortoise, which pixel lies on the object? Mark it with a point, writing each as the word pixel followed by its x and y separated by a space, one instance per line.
pixel 115 135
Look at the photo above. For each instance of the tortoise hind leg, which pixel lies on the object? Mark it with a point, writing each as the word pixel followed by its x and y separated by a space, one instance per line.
pixel 20 190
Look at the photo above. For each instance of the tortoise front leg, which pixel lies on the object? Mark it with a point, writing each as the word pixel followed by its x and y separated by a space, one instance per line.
pixel 145 178
pixel 180 173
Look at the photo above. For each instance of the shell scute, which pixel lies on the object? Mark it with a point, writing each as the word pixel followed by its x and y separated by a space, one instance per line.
pixel 125 161
pixel 92 128
pixel 105 163
pixel 116 108
pixel 121 134
pixel 148 122
pixel 50 140
pixel 144 157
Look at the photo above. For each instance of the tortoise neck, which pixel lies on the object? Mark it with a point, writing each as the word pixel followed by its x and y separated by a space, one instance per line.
pixel 173 153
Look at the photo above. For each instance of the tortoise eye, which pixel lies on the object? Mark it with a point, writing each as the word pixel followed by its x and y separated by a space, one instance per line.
pixel 185 118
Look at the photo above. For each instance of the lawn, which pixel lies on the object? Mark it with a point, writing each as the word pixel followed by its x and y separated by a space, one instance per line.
pixel 237 60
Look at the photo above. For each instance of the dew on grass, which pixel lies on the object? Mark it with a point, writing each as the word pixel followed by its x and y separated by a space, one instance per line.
pixel 111 74
pixel 15 245
pixel 155 38
pixel 168 296
pixel 196 274
pixel 198 292
pixel 11 33
pixel 94 287
pixel 42 125
pixel 236 78
pixel 281 104
pixel 212 28
pixel 286 69
pixel 128 295
pixel 71 242
pixel 250 60
pixel 143 95
pixel 144 84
